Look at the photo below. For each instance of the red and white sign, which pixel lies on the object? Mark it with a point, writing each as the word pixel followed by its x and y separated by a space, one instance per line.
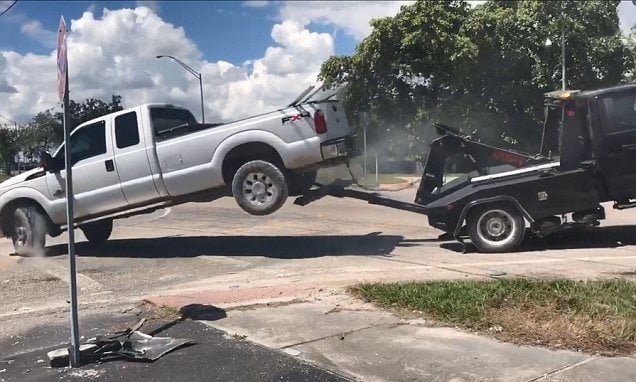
pixel 62 62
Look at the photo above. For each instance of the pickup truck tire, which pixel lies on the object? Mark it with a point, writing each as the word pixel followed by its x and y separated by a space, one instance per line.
pixel 29 231
pixel 496 227
pixel 98 232
pixel 299 183
pixel 259 187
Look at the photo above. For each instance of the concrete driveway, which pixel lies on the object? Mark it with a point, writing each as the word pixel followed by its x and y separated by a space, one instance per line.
pixel 331 243
pixel 215 254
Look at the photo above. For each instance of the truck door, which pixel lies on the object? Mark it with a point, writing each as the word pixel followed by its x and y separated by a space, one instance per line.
pixel 617 115
pixel 96 186
pixel 131 160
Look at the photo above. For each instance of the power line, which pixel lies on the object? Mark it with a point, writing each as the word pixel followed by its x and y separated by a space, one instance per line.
pixel 9 7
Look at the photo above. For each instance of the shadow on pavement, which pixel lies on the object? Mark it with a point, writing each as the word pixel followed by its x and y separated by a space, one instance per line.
pixel 589 238
pixel 279 247
pixel 598 237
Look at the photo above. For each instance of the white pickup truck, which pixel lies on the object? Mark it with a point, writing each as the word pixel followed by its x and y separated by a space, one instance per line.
pixel 152 156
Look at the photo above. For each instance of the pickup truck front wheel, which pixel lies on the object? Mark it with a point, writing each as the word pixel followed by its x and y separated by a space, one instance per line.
pixel 29 231
pixel 259 187
pixel 98 232
pixel 496 228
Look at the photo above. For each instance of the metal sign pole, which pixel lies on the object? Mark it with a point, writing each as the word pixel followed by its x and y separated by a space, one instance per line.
pixel 74 351
pixel 74 346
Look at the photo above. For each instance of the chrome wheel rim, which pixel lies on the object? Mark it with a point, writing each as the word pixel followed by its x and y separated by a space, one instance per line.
pixel 21 236
pixel 496 227
pixel 259 189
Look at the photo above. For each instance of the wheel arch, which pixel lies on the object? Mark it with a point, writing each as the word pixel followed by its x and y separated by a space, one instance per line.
pixel 246 152
pixel 6 221
pixel 496 199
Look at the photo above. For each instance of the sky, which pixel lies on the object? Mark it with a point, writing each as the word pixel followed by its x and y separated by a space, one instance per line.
pixel 253 56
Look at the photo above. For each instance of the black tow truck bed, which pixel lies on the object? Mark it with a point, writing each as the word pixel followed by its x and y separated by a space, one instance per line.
pixel 588 150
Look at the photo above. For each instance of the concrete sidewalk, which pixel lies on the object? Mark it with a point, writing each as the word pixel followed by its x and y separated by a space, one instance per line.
pixel 343 334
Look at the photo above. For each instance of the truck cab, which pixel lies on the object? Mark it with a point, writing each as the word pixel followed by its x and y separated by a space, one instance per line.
pixel 588 147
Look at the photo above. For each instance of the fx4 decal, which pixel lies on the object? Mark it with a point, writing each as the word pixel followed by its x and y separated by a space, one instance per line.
pixel 295 118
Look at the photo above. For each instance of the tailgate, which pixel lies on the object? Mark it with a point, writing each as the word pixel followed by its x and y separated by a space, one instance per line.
pixel 336 118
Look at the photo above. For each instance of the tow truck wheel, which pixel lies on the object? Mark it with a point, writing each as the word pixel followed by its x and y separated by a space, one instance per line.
pixel 496 228
pixel 259 187
pixel 98 232
pixel 29 231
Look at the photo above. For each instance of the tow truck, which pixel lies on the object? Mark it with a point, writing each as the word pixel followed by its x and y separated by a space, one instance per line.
pixel 587 156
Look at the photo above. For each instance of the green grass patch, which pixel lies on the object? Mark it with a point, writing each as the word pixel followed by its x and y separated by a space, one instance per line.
pixel 382 179
pixel 595 316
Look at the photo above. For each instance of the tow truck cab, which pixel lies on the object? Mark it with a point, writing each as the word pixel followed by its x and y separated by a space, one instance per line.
pixel 587 154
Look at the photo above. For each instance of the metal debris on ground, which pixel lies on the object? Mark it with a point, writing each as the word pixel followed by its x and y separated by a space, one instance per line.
pixel 128 344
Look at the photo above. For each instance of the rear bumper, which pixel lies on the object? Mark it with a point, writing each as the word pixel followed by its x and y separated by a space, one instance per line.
pixel 336 148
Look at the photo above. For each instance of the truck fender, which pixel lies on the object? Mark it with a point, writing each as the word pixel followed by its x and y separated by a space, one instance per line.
pixel 251 136
pixel 24 195
pixel 494 199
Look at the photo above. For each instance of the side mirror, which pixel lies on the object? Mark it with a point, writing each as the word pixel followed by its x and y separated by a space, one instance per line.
pixel 49 163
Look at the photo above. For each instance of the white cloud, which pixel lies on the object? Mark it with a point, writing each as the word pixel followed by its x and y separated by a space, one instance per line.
pixel 115 54
pixel 352 17
pixel 34 29
pixel 626 15
pixel 4 84
pixel 256 3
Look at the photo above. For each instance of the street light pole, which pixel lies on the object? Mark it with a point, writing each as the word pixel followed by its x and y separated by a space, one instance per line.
pixel 194 73
pixel 562 48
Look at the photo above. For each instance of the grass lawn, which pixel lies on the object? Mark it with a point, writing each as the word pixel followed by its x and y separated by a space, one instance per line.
pixel 593 316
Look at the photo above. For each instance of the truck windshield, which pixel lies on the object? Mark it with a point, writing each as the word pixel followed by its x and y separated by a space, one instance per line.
pixel 168 122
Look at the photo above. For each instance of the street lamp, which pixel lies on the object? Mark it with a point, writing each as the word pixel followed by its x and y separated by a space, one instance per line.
pixel 194 73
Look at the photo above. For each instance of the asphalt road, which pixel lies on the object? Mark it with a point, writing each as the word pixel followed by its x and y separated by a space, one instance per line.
pixel 331 243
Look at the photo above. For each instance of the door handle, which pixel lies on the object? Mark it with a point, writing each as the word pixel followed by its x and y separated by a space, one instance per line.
pixel 110 165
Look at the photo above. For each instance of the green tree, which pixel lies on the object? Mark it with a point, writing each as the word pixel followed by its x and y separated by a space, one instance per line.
pixel 482 69
pixel 8 147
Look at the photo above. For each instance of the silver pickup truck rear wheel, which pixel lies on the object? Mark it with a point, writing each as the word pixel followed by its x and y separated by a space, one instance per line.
pixel 259 187
pixel 29 231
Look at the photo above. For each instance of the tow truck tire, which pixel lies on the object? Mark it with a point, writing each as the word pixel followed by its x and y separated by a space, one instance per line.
pixel 29 231
pixel 259 187
pixel 299 183
pixel 98 232
pixel 496 227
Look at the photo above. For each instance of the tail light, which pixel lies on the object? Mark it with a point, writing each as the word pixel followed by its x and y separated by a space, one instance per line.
pixel 319 122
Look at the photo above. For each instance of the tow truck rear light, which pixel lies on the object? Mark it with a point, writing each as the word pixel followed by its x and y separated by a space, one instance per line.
pixel 319 122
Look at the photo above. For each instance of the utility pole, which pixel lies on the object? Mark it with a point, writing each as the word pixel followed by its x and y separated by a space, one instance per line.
pixel 563 85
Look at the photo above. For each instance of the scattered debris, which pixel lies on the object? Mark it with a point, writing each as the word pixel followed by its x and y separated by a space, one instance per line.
pixel 128 344
pixel 85 373
pixel 240 336
pixel 292 352
pixel 498 273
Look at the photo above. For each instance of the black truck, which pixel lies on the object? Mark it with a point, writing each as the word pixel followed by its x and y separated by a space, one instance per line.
pixel 587 157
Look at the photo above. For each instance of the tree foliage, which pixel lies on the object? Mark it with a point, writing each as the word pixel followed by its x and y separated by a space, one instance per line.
pixel 482 69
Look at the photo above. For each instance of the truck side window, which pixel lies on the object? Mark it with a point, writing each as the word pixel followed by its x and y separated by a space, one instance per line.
pixel 618 112
pixel 168 122
pixel 126 130
pixel 89 141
